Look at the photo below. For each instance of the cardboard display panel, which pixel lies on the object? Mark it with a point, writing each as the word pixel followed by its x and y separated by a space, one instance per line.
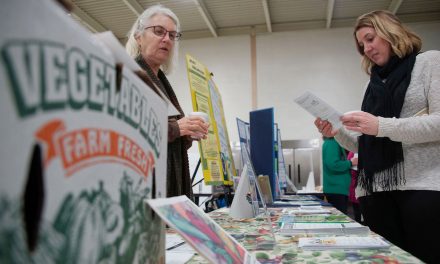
pixel 215 152
pixel 83 144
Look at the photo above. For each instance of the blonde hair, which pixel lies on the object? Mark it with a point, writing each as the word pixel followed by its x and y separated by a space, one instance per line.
pixel 388 27
pixel 138 28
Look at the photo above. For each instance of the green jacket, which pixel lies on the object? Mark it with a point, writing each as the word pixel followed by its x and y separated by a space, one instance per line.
pixel 336 168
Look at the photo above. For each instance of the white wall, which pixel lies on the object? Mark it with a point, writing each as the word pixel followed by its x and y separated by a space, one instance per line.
pixel 288 63
pixel 324 62
pixel 430 34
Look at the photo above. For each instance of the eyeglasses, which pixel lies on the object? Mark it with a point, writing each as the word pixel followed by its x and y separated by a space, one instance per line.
pixel 161 32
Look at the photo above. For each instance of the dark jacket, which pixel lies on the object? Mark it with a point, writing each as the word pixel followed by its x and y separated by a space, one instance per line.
pixel 178 176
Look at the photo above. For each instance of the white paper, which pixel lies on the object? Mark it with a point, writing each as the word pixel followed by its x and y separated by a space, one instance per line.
pixel 309 210
pixel 318 108
pixel 310 186
pixel 240 207
pixel 346 242
pixel 324 228
pixel 298 203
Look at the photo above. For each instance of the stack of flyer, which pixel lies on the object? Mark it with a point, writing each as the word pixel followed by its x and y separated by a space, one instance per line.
pixel 343 242
pixel 306 210
pixel 298 203
pixel 324 228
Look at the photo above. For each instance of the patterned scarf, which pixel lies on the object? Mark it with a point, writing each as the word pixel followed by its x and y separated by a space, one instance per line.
pixel 380 159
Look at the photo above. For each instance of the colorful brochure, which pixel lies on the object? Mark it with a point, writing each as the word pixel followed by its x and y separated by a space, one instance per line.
pixel 200 231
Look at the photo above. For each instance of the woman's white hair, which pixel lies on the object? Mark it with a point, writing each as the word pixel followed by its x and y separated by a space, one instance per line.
pixel 138 28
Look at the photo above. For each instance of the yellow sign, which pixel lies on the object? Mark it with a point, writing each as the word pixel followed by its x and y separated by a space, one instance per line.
pixel 215 151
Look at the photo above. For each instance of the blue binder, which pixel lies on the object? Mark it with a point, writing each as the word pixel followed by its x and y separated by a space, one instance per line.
pixel 262 145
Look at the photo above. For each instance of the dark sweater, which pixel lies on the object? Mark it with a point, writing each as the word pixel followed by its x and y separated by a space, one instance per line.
pixel 178 176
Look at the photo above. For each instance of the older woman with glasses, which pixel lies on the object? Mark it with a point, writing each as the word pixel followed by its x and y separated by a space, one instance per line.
pixel 153 43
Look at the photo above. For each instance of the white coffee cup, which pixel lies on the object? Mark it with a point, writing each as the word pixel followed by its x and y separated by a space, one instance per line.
pixel 202 115
pixel 351 132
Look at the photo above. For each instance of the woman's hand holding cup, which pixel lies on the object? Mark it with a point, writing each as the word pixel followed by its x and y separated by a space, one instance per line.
pixel 194 125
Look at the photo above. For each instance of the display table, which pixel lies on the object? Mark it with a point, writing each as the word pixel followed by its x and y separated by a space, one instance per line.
pixel 254 234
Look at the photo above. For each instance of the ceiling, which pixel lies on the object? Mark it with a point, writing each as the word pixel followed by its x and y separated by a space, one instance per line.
pixel 215 18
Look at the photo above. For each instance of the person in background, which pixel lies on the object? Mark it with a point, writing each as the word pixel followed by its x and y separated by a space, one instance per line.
pixel 351 193
pixel 399 169
pixel 153 43
pixel 336 177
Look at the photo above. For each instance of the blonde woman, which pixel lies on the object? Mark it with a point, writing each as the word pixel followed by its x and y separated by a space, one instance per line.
pixel 399 150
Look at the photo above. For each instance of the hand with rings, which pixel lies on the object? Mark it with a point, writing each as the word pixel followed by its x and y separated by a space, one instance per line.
pixel 362 122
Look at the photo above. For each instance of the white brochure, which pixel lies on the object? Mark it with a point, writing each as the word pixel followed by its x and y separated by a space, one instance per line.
pixel 318 108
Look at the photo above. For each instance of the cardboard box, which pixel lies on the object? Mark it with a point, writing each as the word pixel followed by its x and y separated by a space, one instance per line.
pixel 79 151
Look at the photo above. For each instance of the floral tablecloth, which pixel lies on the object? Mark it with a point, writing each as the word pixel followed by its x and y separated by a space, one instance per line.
pixel 256 237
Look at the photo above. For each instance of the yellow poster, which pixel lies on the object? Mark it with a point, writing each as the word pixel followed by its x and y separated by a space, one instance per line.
pixel 215 151
pixel 222 132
